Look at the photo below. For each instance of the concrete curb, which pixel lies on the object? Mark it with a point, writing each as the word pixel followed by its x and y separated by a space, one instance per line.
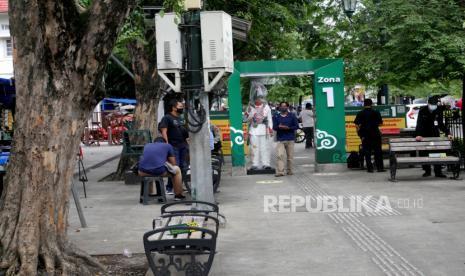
pixel 99 164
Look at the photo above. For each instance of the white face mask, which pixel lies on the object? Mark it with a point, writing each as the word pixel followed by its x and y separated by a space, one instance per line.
pixel 432 107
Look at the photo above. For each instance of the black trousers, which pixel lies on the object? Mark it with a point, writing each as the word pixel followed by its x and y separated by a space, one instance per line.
pixel 427 168
pixel 369 145
pixel 308 136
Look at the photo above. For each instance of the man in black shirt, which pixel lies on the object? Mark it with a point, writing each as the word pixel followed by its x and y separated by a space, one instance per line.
pixel 367 123
pixel 429 121
pixel 172 130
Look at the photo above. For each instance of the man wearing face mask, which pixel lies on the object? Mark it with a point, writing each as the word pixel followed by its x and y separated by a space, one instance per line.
pixel 173 131
pixel 285 124
pixel 429 122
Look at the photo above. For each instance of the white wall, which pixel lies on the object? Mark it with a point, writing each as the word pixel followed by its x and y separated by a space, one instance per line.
pixel 4 30
pixel 6 62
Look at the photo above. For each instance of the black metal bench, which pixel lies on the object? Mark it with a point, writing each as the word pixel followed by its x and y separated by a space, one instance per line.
pixel 436 145
pixel 183 240
pixel 133 147
pixel 134 142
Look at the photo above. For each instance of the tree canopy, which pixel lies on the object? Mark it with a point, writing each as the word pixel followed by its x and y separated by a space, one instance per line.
pixel 407 42
pixel 413 45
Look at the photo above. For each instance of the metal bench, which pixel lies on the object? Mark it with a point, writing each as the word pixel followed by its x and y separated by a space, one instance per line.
pixel 414 149
pixel 183 241
pixel 190 206
pixel 133 147
pixel 134 142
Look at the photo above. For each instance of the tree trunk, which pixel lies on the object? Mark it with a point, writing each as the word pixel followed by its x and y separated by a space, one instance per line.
pixel 59 61
pixel 147 84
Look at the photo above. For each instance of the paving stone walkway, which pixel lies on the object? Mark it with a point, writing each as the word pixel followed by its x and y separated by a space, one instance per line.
pixel 422 234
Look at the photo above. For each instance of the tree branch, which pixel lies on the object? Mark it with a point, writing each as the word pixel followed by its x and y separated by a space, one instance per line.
pixel 104 21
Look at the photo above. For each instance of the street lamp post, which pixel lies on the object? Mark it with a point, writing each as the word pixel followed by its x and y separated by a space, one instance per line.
pixel 349 7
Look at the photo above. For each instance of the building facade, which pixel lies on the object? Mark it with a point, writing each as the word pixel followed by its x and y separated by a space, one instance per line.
pixel 6 43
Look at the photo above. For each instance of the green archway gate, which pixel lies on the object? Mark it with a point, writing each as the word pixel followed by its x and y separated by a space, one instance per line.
pixel 328 89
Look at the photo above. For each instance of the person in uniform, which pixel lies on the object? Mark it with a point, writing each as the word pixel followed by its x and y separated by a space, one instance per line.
pixel 367 123
pixel 260 128
pixel 430 121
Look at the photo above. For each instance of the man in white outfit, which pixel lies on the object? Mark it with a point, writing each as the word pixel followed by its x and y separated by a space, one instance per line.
pixel 260 132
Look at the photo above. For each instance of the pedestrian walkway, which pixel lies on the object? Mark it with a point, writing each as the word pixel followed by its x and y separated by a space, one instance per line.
pixel 94 155
pixel 424 239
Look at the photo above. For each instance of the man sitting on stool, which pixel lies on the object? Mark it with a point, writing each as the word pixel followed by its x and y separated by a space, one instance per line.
pixel 158 159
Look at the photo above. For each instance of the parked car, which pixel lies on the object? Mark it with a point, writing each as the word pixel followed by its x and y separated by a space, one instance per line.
pixel 412 114
pixel 420 101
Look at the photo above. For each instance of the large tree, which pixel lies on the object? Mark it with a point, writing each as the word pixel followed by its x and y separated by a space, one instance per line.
pixel 407 42
pixel 61 51
pixel 137 41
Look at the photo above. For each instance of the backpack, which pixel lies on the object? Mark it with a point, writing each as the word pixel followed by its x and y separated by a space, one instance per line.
pixel 353 161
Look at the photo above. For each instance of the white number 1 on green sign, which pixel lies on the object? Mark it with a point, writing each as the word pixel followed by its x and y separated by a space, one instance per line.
pixel 329 95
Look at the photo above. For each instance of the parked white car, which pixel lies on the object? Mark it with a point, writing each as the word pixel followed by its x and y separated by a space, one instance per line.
pixel 412 114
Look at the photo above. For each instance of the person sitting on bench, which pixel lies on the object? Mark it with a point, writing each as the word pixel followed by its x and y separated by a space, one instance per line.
pixel 158 159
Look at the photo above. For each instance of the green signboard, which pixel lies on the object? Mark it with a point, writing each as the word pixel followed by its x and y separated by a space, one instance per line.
pixel 235 119
pixel 387 111
pixel 328 88
pixel 393 122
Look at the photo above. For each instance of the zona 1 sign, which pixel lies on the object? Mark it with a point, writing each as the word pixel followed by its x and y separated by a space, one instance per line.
pixel 328 80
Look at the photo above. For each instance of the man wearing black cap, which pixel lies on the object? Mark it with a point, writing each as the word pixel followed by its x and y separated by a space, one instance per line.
pixel 430 120
pixel 367 123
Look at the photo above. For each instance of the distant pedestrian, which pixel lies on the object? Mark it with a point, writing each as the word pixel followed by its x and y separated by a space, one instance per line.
pixel 458 104
pixel 292 110
pixel 430 120
pixel 285 124
pixel 308 124
pixel 367 123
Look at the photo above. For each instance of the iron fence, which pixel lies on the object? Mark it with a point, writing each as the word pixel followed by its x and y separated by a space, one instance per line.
pixel 453 121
